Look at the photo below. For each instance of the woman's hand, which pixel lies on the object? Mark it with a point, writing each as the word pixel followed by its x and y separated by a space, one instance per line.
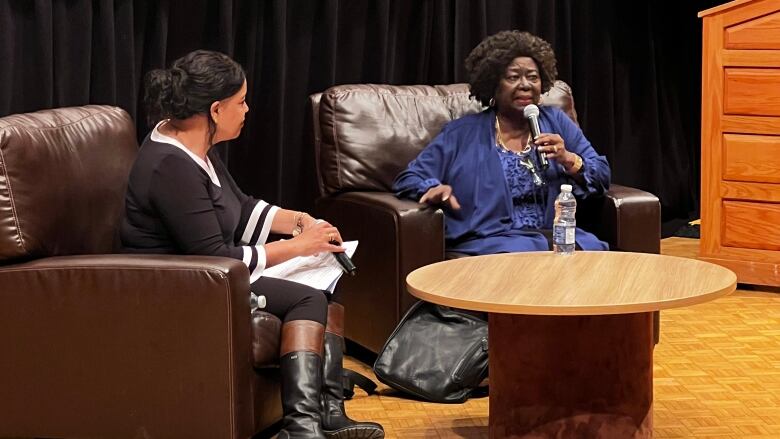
pixel 316 238
pixel 308 221
pixel 553 147
pixel 441 194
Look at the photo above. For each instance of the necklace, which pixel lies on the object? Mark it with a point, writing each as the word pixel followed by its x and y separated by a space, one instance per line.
pixel 500 141
pixel 524 158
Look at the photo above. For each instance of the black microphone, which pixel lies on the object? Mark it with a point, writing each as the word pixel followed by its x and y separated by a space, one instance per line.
pixel 531 112
pixel 344 260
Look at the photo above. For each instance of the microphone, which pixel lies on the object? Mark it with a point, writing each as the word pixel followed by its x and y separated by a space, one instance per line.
pixel 344 260
pixel 531 112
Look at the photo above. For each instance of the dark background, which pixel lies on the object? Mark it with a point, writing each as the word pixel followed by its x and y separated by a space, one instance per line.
pixel 634 67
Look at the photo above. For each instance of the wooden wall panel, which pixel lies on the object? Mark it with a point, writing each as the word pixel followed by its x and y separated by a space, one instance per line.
pixel 750 124
pixel 753 58
pixel 740 139
pixel 737 190
pixel 760 33
pixel 752 91
pixel 748 157
pixel 711 137
pixel 751 225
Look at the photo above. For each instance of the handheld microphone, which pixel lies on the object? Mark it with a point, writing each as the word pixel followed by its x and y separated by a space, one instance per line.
pixel 344 260
pixel 531 112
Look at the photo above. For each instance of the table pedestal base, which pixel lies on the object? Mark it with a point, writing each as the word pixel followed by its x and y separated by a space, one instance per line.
pixel 571 376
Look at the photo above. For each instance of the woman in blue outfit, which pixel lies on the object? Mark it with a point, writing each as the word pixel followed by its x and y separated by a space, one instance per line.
pixel 485 169
pixel 182 200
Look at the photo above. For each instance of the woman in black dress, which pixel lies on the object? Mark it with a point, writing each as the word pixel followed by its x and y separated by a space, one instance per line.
pixel 182 200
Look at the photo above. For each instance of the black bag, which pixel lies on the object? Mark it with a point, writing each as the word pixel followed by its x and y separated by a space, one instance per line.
pixel 436 353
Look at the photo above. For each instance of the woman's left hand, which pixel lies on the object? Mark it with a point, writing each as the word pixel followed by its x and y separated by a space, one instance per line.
pixel 552 145
pixel 308 221
pixel 320 237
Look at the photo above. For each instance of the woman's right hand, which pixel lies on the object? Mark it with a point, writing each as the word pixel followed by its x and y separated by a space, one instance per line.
pixel 317 239
pixel 441 194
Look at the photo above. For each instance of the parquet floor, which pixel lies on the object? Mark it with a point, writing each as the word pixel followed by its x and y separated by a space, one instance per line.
pixel 716 375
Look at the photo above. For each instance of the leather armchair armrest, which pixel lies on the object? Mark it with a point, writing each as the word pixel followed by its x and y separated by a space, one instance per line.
pixel 140 335
pixel 396 236
pixel 628 219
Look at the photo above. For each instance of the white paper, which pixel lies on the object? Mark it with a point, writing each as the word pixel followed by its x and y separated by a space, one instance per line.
pixel 321 272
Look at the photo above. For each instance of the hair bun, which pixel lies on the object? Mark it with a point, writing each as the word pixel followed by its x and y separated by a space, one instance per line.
pixel 178 95
pixel 192 84
pixel 157 94
pixel 177 75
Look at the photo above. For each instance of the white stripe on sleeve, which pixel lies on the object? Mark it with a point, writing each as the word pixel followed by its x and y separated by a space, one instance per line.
pixel 258 226
pixel 255 259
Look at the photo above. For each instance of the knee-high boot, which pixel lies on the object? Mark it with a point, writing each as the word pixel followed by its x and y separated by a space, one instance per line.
pixel 335 422
pixel 301 369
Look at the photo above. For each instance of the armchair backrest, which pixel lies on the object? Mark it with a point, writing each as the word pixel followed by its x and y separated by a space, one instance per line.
pixel 365 134
pixel 63 174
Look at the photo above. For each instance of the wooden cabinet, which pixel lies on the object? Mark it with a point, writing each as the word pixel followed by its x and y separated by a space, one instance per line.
pixel 740 139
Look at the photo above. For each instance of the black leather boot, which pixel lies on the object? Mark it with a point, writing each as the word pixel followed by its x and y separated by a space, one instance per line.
pixel 335 422
pixel 301 372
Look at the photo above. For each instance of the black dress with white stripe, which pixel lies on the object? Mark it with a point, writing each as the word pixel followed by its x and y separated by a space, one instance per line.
pixel 176 203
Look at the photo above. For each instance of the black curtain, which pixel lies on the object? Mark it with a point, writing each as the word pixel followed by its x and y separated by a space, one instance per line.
pixel 634 68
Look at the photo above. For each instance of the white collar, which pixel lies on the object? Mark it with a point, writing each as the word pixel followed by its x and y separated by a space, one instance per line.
pixel 157 136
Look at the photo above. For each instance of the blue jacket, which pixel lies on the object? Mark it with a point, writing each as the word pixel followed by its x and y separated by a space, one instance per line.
pixel 464 156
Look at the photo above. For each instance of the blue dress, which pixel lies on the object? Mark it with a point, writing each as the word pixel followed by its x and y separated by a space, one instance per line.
pixel 527 197
pixel 501 210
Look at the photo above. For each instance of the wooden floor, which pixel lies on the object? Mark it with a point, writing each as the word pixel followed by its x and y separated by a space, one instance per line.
pixel 716 375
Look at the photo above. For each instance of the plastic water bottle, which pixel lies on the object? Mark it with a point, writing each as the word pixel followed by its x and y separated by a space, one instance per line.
pixel 564 223
pixel 256 302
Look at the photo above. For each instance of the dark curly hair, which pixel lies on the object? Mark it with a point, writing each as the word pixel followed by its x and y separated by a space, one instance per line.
pixel 191 85
pixel 487 62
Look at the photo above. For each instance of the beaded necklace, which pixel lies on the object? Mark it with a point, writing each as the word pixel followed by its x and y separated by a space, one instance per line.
pixel 500 141
pixel 525 159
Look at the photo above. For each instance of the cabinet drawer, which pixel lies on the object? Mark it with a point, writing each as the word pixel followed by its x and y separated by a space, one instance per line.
pixel 751 91
pixel 751 225
pixel 749 157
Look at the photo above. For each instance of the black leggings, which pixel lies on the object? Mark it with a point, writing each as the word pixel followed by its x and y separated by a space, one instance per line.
pixel 291 300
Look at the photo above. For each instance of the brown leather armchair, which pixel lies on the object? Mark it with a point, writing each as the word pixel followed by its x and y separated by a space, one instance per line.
pixel 363 136
pixel 113 346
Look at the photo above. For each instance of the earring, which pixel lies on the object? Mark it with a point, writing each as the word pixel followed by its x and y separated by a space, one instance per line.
pixel 492 102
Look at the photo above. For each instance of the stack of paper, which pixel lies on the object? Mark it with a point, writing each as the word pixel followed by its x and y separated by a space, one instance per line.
pixel 320 271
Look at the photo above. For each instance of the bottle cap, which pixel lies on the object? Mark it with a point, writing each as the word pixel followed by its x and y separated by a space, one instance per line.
pixel 565 188
pixel 256 302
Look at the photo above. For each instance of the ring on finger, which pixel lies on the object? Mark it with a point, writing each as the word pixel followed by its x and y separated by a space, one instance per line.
pixel 330 236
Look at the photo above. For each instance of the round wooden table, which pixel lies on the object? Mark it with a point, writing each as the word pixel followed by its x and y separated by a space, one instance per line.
pixel 571 337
